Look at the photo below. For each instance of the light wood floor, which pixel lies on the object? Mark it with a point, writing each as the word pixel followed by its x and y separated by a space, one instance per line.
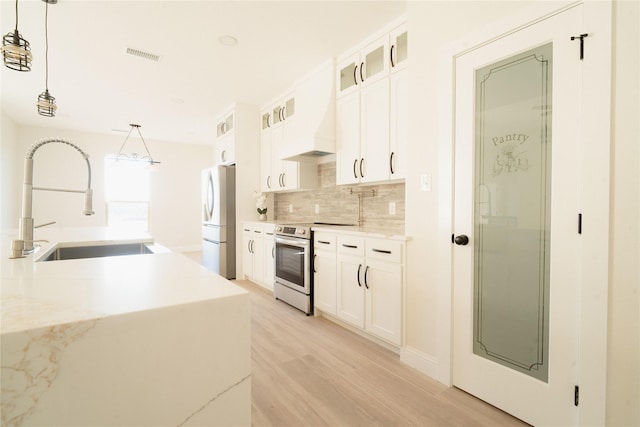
pixel 308 371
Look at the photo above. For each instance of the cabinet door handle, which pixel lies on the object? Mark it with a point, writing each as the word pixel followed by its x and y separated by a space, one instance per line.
pixel 381 251
pixel 366 270
pixel 273 252
pixel 361 67
pixel 359 267
pixel 223 155
pixel 314 263
pixel 284 113
pixel 268 120
pixel 284 180
pixel 355 174
pixel 269 182
pixel 249 246
pixel 349 246
pixel 355 70
pixel 391 56
pixel 361 161
pixel 391 162
pixel 324 242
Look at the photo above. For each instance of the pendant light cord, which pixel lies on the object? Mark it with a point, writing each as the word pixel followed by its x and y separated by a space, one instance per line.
pixel 46 43
pixel 16 16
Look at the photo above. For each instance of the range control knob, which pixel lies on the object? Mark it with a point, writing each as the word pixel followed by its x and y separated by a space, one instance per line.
pixel 302 231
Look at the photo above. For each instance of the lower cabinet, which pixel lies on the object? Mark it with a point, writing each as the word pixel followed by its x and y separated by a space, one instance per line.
pixel 257 253
pixel 324 272
pixel 368 284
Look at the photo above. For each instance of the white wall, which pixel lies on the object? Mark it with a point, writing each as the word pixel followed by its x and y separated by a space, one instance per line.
pixel 623 352
pixel 10 178
pixel 432 25
pixel 175 214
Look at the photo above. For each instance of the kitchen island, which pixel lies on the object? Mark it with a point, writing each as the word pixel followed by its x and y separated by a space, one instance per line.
pixel 148 339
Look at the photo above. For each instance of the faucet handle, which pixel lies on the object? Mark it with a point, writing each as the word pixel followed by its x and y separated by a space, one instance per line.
pixel 42 225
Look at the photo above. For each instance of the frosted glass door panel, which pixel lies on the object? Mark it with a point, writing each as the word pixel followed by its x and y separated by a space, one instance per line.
pixel 348 76
pixel 512 211
pixel 375 62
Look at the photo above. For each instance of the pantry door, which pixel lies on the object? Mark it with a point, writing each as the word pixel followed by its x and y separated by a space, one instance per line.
pixel 517 197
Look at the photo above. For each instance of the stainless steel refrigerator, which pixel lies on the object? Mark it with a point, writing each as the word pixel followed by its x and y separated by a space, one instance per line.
pixel 219 220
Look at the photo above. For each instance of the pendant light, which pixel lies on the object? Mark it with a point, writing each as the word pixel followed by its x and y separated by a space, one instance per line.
pixel 16 51
pixel 46 103
pixel 135 156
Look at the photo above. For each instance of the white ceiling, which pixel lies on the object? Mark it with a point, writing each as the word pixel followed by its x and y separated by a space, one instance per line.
pixel 98 88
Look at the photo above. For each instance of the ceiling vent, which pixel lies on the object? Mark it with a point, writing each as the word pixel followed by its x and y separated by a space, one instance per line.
pixel 142 54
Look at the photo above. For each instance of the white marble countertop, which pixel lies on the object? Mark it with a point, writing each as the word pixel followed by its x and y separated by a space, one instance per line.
pixel 38 294
pixel 364 231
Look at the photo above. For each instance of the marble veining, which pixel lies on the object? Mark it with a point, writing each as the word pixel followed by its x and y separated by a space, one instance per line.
pixel 214 398
pixel 30 363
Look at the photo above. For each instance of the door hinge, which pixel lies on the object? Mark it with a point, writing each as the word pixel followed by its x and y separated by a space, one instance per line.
pixel 579 223
pixel 581 37
pixel 576 395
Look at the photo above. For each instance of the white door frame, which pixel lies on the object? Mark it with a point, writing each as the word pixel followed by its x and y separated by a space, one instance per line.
pixel 596 131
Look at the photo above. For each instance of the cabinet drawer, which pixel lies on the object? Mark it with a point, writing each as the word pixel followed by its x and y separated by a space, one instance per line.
pixel 324 242
pixel 384 250
pixel 350 245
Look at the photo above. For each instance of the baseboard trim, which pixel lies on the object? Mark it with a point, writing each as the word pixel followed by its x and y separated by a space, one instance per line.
pixel 423 362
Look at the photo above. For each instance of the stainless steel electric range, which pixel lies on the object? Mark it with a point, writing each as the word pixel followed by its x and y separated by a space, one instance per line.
pixel 294 264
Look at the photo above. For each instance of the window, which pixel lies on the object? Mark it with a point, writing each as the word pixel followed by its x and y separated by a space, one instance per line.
pixel 127 192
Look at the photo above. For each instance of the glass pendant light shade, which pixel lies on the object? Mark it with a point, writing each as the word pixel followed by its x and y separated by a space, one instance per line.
pixel 47 104
pixel 16 51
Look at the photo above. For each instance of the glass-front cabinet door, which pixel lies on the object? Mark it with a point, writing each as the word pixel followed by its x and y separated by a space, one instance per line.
pixel 374 61
pixel 289 107
pixel 399 48
pixel 265 120
pixel 347 78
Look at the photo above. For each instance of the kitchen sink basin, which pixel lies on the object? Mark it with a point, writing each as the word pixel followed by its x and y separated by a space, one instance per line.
pixel 77 252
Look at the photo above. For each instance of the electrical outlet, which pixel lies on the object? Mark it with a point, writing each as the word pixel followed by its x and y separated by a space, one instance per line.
pixel 290 207
pixel 317 208
pixel 392 208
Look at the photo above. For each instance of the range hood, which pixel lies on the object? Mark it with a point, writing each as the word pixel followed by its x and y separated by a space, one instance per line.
pixel 313 133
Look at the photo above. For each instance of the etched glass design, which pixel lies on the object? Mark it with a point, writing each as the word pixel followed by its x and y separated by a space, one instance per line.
pixel 512 211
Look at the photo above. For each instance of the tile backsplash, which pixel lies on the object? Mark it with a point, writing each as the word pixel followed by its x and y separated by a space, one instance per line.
pixel 339 204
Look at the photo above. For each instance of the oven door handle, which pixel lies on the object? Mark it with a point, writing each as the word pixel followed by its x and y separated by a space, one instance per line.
pixel 301 243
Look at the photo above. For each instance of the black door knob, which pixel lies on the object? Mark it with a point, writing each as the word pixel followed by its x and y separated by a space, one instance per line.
pixel 461 240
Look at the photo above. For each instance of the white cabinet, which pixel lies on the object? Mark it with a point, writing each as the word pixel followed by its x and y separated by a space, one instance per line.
pixel 371 112
pixel 225 140
pixel 369 285
pixel 258 253
pixel 324 272
pixel 276 174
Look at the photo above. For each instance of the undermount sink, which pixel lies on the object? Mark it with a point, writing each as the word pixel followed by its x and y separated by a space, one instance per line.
pixel 77 252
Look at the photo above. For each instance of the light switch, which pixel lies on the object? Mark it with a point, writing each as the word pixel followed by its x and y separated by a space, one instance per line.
pixel 425 182
pixel 290 207
pixel 392 208
pixel 317 208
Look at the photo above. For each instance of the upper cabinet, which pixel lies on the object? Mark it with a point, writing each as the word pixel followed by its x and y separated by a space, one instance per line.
pixel 278 124
pixel 372 110
pixel 225 140
pixel 399 48
pixel 364 67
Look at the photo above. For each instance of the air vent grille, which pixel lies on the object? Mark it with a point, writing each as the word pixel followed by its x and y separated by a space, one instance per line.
pixel 142 54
